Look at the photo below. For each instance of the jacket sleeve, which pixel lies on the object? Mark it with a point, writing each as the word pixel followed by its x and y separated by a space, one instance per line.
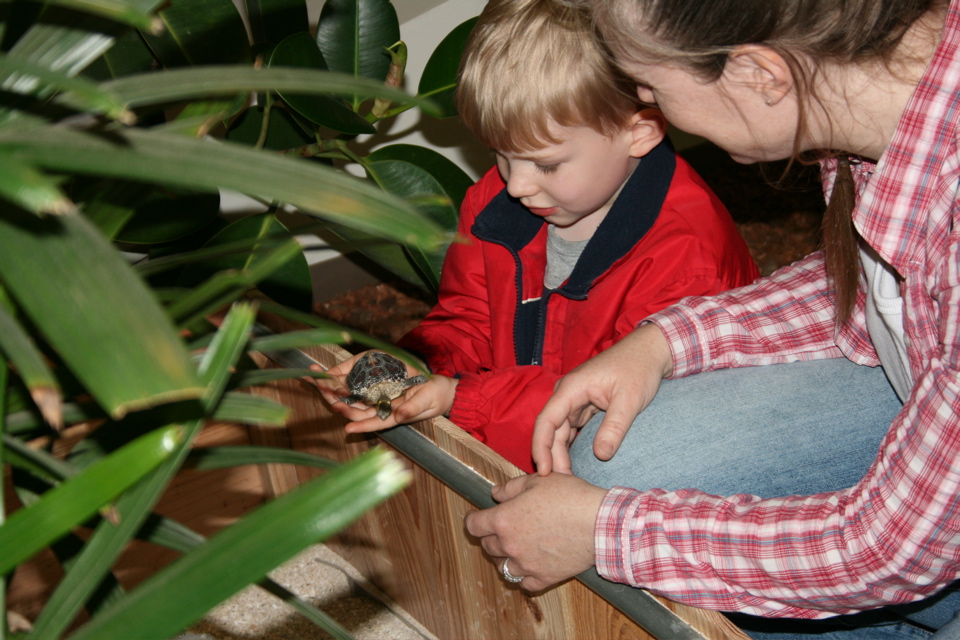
pixel 455 335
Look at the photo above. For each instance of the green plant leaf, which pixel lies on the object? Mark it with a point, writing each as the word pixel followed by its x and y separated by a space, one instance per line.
pixel 70 42
pixel 353 36
pixel 243 553
pixel 198 164
pixel 273 20
pixel 453 180
pixel 283 132
pixel 300 50
pixel 118 10
pixel 257 377
pixel 420 175
pixel 31 189
pixel 228 345
pixel 173 535
pixel 44 388
pixel 244 408
pixel 199 32
pixel 125 351
pixel 59 510
pixel 439 78
pixel 167 215
pixel 28 78
pixel 288 284
pixel 201 82
pixel 128 55
pixel 206 458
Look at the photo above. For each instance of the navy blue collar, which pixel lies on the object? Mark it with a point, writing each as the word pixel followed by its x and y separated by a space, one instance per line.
pixel 507 222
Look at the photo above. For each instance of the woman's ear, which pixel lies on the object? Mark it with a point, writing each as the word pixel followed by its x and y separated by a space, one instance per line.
pixel 647 128
pixel 760 69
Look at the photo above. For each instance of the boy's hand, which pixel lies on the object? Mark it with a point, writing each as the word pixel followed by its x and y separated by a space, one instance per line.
pixel 428 400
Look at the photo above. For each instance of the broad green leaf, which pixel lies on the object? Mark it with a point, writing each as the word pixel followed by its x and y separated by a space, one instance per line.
pixel 453 180
pixel 109 204
pixel 223 353
pixel 289 284
pixel 25 422
pixel 15 342
pixel 29 188
pixel 37 461
pixel 418 174
pixel 243 553
pixel 101 550
pixel 173 535
pixel 198 117
pixel 244 408
pixel 202 82
pixel 198 164
pixel 118 10
pixel 300 51
pixel 439 78
pixel 273 20
pixel 128 55
pixel 206 458
pixel 199 32
pixel 283 132
pixel 125 351
pixel 168 215
pixel 28 78
pixel 70 42
pixel 257 377
pixel 62 508
pixel 354 34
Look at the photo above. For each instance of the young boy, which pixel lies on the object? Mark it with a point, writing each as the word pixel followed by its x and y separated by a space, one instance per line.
pixel 588 224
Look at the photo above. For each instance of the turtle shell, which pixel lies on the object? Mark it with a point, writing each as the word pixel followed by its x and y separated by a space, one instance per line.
pixel 375 367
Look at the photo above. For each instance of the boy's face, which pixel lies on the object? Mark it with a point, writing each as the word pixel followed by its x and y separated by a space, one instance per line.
pixel 573 183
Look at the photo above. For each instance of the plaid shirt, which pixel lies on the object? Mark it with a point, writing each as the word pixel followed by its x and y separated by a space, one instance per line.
pixel 895 536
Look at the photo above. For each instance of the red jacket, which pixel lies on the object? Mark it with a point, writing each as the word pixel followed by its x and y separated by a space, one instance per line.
pixel 509 340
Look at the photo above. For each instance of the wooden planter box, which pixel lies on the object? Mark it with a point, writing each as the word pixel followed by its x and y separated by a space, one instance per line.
pixel 414 547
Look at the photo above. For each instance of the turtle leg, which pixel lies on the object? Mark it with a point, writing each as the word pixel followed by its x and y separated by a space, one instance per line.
pixel 414 381
pixel 351 399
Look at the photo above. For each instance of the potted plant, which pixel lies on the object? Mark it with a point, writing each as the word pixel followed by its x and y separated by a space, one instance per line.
pixel 100 157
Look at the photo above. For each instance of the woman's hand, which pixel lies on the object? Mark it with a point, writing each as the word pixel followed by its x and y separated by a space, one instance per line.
pixel 622 381
pixel 543 525
pixel 420 402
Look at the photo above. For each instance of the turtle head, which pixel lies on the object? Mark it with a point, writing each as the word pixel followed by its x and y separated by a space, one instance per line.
pixel 384 407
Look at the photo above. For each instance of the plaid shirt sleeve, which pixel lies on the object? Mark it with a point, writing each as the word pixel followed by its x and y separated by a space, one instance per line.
pixel 787 317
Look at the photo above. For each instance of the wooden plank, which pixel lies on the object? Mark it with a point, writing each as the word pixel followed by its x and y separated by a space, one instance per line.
pixel 415 549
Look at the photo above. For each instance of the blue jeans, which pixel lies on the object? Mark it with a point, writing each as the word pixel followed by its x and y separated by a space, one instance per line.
pixel 779 430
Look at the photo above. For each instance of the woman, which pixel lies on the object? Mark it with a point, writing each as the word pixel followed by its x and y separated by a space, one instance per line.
pixel 825 483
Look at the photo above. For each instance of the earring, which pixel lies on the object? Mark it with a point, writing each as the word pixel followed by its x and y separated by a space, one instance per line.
pixel 768 101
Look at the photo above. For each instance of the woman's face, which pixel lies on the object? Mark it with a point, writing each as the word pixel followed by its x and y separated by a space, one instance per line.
pixel 729 112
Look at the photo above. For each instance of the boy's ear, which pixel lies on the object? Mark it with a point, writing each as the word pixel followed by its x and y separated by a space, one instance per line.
pixel 648 128
pixel 760 69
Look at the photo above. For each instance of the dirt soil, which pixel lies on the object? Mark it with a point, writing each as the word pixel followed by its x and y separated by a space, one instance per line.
pixel 779 224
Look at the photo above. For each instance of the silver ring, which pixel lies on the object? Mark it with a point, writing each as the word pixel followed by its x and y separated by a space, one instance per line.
pixel 509 577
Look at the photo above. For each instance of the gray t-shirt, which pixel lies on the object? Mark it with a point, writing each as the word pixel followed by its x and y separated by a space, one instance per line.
pixel 562 257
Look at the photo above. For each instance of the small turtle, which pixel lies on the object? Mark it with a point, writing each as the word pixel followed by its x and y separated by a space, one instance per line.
pixel 376 379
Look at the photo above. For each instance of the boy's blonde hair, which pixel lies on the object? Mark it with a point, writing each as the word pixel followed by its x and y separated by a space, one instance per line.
pixel 530 62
